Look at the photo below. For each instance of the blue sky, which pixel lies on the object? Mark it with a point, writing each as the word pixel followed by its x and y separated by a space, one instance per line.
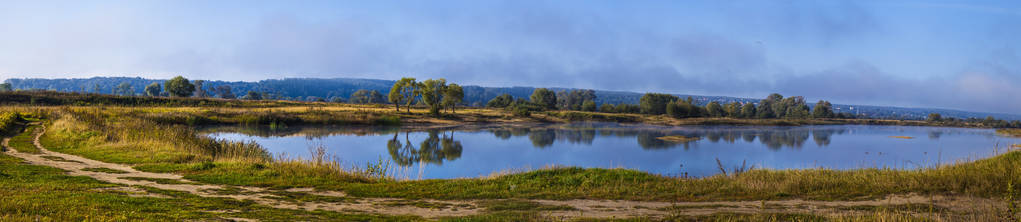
pixel 946 54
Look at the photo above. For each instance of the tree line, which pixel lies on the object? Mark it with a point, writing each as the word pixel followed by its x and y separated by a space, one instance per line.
pixel 343 89
pixel 434 93
pixel 438 95
pixel 773 106
pixel 182 87
pixel 989 121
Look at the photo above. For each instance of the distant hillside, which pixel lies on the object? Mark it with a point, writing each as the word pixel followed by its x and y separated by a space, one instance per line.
pixel 328 89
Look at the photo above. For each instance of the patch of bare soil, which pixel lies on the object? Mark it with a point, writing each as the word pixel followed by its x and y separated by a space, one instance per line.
pixel 339 201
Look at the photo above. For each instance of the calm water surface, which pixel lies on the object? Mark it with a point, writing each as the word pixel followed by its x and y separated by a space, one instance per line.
pixel 481 151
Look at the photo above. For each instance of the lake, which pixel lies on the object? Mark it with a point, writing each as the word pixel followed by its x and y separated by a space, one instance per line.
pixel 473 151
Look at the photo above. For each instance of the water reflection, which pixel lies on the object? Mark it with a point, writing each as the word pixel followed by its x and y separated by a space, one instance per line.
pixel 651 139
pixel 440 152
pixel 434 149
pixel 440 142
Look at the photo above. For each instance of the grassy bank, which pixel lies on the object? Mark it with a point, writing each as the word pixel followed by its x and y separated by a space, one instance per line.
pixel 41 193
pixel 1009 132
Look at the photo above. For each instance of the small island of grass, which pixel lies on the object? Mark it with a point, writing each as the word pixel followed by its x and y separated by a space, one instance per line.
pixel 678 138
pixel 1012 132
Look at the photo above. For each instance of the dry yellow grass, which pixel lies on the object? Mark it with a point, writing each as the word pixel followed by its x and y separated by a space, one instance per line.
pixel 678 138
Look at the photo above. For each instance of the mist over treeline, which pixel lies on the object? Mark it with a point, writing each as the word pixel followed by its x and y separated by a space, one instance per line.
pixel 341 89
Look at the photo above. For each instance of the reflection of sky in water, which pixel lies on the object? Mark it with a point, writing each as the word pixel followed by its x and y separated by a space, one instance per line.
pixel 453 154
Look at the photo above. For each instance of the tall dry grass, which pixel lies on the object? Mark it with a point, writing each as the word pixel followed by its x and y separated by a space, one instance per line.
pixel 135 136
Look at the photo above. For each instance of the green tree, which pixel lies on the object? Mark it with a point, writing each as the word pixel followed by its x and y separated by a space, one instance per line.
pixel 628 108
pixel 775 106
pixel 404 91
pixel 376 98
pixel 361 96
pixel 655 103
pixel 179 87
pixel 124 89
pixel 6 87
pixel 686 108
pixel 252 95
pixel 432 94
pixel 732 110
pixel 574 99
pixel 765 109
pixel 224 92
pixel 748 110
pixel 935 117
pixel 500 101
pixel 797 112
pixel 588 106
pixel 607 108
pixel 822 109
pixel 452 96
pixel 793 107
pixel 674 110
pixel 152 89
pixel 200 90
pixel 714 109
pixel 545 98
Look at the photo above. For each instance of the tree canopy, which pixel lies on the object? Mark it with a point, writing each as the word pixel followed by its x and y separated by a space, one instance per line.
pixel 124 89
pixel 545 98
pixel 224 92
pixel 152 89
pixel 6 87
pixel 655 103
pixel 823 109
pixel 252 95
pixel 364 96
pixel 500 101
pixel 179 87
pixel 713 109
pixel 574 99
pixel 432 93
pixel 452 96
pixel 403 91
pixel 200 90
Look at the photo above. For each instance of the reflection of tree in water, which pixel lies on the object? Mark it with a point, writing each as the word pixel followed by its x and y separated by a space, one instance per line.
pixel 779 139
pixel 451 148
pixel 546 137
pixel 520 131
pixel 582 136
pixel 434 149
pixel 773 138
pixel 542 138
pixel 935 134
pixel 502 134
pixel 713 137
pixel 748 137
pixel 822 136
pixel 403 155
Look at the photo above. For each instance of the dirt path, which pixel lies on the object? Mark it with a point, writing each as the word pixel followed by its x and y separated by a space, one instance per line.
pixel 123 174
